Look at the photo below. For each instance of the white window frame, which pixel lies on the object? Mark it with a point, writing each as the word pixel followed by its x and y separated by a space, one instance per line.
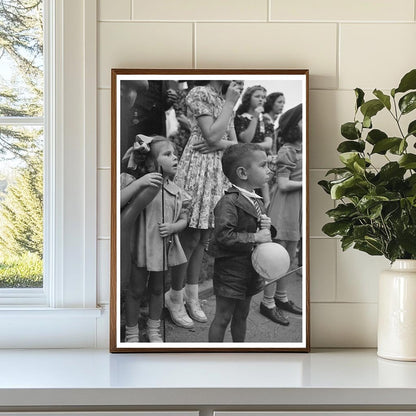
pixel 64 313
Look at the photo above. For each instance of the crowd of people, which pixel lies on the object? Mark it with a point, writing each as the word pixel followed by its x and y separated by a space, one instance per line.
pixel 199 175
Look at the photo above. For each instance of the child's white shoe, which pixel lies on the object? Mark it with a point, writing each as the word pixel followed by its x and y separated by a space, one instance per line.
pixel 178 313
pixel 153 331
pixel 195 311
pixel 132 333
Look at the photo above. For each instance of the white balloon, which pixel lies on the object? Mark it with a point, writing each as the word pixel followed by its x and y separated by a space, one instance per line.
pixel 270 260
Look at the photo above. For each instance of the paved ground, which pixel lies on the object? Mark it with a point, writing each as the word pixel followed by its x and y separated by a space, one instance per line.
pixel 259 328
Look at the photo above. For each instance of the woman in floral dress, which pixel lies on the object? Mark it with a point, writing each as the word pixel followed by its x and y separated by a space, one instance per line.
pixel 200 173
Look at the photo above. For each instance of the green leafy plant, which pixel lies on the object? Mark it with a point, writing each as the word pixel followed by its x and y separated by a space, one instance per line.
pixel 376 210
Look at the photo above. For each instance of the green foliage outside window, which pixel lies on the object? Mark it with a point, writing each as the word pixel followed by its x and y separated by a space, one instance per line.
pixel 21 147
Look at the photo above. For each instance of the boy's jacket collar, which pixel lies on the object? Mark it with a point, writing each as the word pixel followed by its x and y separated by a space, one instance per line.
pixel 242 202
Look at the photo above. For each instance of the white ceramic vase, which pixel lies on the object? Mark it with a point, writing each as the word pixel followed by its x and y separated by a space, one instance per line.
pixel 397 312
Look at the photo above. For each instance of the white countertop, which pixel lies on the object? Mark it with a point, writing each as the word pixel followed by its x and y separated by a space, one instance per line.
pixel 96 377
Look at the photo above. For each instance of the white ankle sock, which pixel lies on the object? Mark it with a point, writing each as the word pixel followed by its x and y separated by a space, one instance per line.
pixel 153 323
pixel 132 329
pixel 268 302
pixel 176 296
pixel 281 295
pixel 191 291
pixel 132 333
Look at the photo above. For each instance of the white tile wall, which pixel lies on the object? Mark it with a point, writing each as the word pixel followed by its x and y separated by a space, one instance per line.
pixel 323 269
pixel 201 10
pixel 345 44
pixel 271 45
pixel 104 128
pixel 358 10
pixel 386 53
pixel 357 275
pixel 104 202
pixel 103 270
pixel 142 45
pixel 114 10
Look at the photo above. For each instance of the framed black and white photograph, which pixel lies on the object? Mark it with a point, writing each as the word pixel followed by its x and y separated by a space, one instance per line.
pixel 209 211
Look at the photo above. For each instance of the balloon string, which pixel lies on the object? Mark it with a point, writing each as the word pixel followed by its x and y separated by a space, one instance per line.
pixel 282 276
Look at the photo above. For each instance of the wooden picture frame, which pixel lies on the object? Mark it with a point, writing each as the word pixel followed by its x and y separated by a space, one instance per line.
pixel 141 104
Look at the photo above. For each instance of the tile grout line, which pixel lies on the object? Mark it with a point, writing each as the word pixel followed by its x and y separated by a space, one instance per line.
pixel 308 22
pixel 131 10
pixel 194 62
pixel 336 271
pixel 269 10
pixel 338 63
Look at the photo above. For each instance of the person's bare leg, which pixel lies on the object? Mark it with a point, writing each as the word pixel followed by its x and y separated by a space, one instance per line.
pixel 239 320
pixel 224 309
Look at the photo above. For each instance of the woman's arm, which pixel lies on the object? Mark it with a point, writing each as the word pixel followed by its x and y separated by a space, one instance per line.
pixel 214 130
pixel 266 144
pixel 204 147
pixel 287 185
pixel 209 148
pixel 247 135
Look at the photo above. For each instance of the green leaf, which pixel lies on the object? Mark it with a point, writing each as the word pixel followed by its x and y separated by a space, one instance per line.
pixel 407 239
pixel 346 242
pixel 349 146
pixel 411 130
pixel 369 201
pixel 391 170
pixel 336 228
pixel 342 211
pixel 338 189
pixel 325 186
pixel 361 231
pixel 359 95
pixel 369 248
pixel 385 99
pixel 408 102
pixel 349 131
pixel 408 161
pixel 375 212
pixel 375 135
pixel 348 158
pixel 402 147
pixel 371 108
pixel 398 149
pixel 350 187
pixel 393 250
pixel 385 144
pixel 408 82
pixel 337 171
pixel 367 122
pixel 359 166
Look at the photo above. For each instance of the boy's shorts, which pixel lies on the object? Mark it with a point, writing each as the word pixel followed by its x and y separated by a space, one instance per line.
pixel 235 277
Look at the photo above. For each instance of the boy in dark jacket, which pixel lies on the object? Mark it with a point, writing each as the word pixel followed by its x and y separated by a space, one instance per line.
pixel 240 224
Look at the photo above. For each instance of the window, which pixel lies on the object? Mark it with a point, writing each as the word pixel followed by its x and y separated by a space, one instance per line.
pixel 22 128
pixel 63 312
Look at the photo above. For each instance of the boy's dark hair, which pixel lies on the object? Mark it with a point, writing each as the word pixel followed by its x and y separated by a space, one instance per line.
pixel 292 135
pixel 240 154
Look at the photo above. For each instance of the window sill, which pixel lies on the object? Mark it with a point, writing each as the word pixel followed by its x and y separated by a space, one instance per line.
pixel 39 327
